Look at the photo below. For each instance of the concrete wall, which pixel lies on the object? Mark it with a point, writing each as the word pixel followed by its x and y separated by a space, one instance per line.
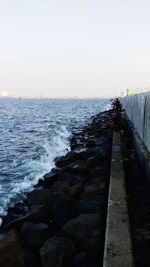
pixel 137 108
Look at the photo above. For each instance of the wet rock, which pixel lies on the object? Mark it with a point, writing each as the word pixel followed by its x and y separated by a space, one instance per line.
pixel 101 171
pixel 53 171
pixel 11 252
pixel 61 162
pixel 78 168
pixel 94 187
pixel 63 175
pixel 61 206
pixel 57 252
pixel 80 260
pixel 61 186
pixel 51 177
pixel 68 185
pixel 37 214
pixel 38 197
pixel 87 231
pixel 90 144
pixel 76 190
pixel 93 204
pixel 93 162
pixel 14 213
pixel 32 258
pixel 34 235
pixel 40 184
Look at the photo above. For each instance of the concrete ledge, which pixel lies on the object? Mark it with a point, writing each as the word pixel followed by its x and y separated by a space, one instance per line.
pixel 118 247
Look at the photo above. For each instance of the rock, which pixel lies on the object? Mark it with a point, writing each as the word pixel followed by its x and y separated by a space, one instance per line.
pixel 78 168
pixel 61 186
pixel 11 252
pixel 54 171
pixel 61 162
pixel 63 175
pixel 13 213
pixel 76 189
pixel 50 179
pixel 87 231
pixel 34 235
pixel 90 144
pixel 57 252
pixel 93 162
pixel 67 186
pixel 37 214
pixel 61 206
pixel 40 184
pixel 93 204
pixel 32 258
pixel 39 197
pixel 86 153
pixel 102 172
pixel 80 260
pixel 94 187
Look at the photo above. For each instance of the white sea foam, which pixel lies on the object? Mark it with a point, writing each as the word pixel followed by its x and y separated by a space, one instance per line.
pixel 58 145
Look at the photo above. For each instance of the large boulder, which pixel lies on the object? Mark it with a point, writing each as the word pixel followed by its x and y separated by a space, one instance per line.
pixel 95 187
pixel 61 206
pixel 82 260
pixel 93 204
pixel 78 168
pixel 93 162
pixel 57 252
pixel 76 189
pixel 61 162
pixel 87 231
pixel 61 186
pixel 62 175
pixel 34 235
pixel 68 185
pixel 51 177
pixel 36 214
pixel 88 153
pixel 11 252
pixel 13 213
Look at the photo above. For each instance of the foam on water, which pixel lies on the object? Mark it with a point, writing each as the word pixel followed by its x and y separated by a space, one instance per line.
pixel 58 145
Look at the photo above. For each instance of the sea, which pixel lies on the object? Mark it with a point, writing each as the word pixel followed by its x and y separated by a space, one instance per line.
pixel 33 133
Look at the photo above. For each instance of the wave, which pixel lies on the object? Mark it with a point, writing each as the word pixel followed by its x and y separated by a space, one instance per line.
pixel 55 146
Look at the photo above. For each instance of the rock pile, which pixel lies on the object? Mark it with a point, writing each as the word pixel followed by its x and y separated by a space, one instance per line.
pixel 62 221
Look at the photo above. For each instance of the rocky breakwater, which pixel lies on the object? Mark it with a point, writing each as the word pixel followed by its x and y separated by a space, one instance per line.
pixel 61 223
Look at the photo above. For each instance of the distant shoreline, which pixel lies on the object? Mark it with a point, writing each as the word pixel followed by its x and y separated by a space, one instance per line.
pixel 55 98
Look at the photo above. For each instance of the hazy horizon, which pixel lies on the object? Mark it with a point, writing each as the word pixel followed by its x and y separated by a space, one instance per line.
pixel 74 48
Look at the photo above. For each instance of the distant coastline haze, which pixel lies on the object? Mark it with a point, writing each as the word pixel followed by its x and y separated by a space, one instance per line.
pixel 74 48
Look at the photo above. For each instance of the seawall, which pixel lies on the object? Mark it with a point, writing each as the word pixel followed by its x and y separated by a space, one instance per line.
pixel 137 109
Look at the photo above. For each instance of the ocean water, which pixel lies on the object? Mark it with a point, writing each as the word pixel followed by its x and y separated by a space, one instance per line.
pixel 33 134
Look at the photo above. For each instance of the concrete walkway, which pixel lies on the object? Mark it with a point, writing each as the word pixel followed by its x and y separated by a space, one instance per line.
pixel 118 247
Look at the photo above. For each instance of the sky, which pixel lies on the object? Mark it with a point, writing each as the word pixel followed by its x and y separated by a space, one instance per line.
pixel 82 48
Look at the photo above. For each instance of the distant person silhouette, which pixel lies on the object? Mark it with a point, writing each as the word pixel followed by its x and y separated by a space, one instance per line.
pixel 118 105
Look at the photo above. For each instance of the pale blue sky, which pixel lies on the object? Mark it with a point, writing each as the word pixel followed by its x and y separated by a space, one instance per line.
pixel 74 47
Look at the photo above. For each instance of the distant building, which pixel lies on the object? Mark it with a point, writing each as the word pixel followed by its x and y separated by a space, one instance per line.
pixel 135 91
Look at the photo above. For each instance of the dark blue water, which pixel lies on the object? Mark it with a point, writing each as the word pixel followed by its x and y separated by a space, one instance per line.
pixel 33 133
